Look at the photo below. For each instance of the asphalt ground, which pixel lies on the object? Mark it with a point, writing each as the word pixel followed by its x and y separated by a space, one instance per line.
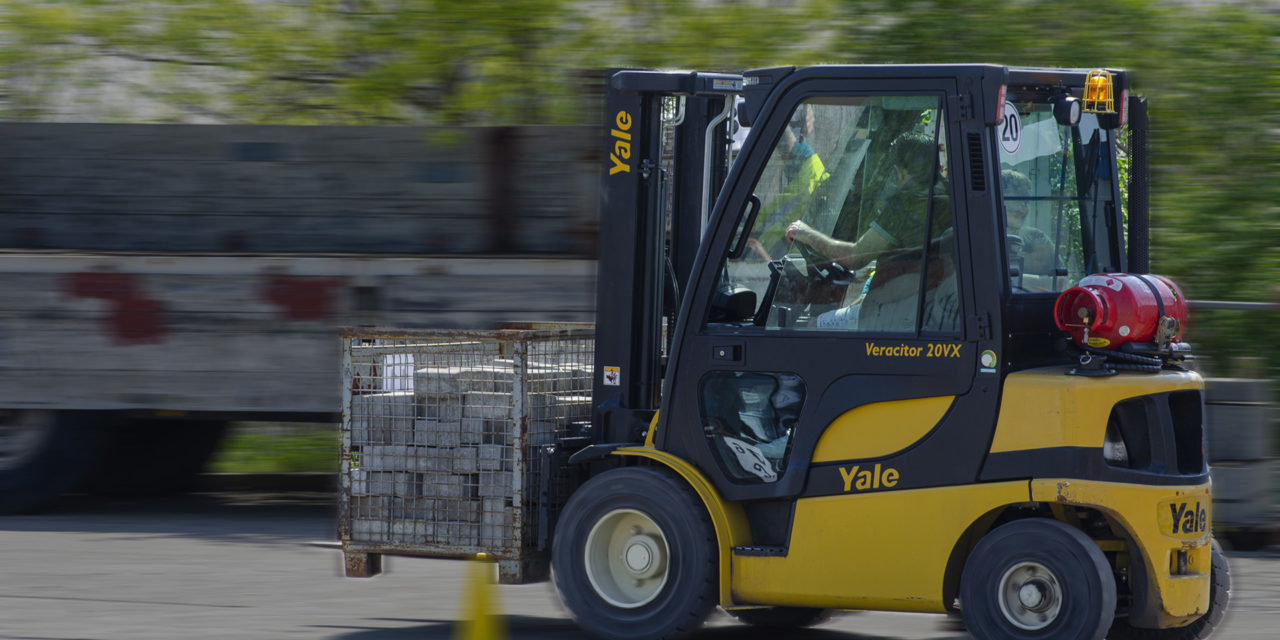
pixel 264 564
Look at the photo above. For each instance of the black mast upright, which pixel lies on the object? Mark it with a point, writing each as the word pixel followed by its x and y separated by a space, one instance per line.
pixel 633 237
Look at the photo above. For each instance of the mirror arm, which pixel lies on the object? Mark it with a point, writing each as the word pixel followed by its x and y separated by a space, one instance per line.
pixel 749 224
pixel 766 301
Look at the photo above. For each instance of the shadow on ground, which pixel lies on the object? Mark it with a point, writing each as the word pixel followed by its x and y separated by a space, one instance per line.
pixel 536 628
pixel 225 516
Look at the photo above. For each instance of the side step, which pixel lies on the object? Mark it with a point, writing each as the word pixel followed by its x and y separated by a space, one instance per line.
pixel 760 551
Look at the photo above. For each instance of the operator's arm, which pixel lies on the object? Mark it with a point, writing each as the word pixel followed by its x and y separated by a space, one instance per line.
pixel 851 255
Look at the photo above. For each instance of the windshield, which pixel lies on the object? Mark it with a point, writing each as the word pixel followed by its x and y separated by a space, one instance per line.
pixel 1057 184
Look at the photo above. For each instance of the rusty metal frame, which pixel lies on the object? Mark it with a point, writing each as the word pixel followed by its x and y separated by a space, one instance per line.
pixel 388 503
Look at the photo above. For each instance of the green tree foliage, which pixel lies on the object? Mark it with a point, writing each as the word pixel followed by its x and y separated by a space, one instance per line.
pixel 371 61
pixel 1209 71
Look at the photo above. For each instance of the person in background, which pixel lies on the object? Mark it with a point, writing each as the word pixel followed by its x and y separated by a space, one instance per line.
pixel 1017 189
pixel 1030 250
pixel 1037 252
pixel 805 174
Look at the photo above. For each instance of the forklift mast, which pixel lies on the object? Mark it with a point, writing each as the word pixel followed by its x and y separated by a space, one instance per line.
pixel 646 255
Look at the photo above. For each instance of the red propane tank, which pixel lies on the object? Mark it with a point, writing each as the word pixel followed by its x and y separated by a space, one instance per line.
pixel 1106 310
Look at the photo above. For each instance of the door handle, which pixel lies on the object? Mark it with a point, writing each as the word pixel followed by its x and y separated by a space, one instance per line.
pixel 726 353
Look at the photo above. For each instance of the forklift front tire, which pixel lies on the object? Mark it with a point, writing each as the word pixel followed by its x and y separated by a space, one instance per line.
pixel 634 556
pixel 1037 578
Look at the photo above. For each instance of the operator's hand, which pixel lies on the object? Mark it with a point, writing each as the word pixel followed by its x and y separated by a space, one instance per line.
pixel 799 231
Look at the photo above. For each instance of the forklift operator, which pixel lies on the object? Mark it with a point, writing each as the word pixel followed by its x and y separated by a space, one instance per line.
pixel 901 199
pixel 904 188
pixel 880 199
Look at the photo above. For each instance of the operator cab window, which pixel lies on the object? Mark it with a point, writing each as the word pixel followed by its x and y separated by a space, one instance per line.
pixel 1056 186
pixel 850 228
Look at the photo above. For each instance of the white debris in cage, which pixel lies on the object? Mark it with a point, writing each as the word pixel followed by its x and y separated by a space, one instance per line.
pixel 445 433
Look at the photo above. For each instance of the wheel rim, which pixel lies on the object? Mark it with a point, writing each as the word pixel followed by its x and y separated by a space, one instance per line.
pixel 22 434
pixel 626 558
pixel 1030 596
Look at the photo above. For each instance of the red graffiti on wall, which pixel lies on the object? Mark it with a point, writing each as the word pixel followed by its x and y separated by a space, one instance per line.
pixel 132 317
pixel 303 297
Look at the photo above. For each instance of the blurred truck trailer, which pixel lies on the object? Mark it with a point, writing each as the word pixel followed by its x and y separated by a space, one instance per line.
pixel 158 282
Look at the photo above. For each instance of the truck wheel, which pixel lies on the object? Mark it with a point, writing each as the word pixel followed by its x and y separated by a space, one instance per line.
pixel 1204 626
pixel 782 618
pixel 42 454
pixel 1037 579
pixel 634 556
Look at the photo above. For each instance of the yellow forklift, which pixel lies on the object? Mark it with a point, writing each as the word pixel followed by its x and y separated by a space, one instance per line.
pixel 906 360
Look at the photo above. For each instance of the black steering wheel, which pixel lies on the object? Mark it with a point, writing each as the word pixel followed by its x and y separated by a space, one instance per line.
pixel 796 281
pixel 830 271
pixel 1013 249
pixel 1013 244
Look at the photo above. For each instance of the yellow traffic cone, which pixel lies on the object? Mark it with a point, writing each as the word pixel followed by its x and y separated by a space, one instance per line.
pixel 478 620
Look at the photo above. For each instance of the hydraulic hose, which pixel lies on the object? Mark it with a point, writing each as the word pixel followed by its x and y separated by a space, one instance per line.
pixel 1122 361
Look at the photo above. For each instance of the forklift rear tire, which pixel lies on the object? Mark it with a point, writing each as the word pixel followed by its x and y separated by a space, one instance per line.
pixel 1204 626
pixel 1037 578
pixel 781 618
pixel 635 556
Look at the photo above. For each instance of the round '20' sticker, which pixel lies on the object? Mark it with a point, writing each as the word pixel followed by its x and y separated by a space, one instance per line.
pixel 1010 128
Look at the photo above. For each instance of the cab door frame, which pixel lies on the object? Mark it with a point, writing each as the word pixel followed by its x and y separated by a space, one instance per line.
pixel 838 368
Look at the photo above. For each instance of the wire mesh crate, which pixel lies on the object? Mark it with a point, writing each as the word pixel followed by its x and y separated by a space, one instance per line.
pixel 448 438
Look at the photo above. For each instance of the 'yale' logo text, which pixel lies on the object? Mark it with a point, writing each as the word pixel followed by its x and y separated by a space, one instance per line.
pixel 1188 520
pixel 621 144
pixel 858 479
